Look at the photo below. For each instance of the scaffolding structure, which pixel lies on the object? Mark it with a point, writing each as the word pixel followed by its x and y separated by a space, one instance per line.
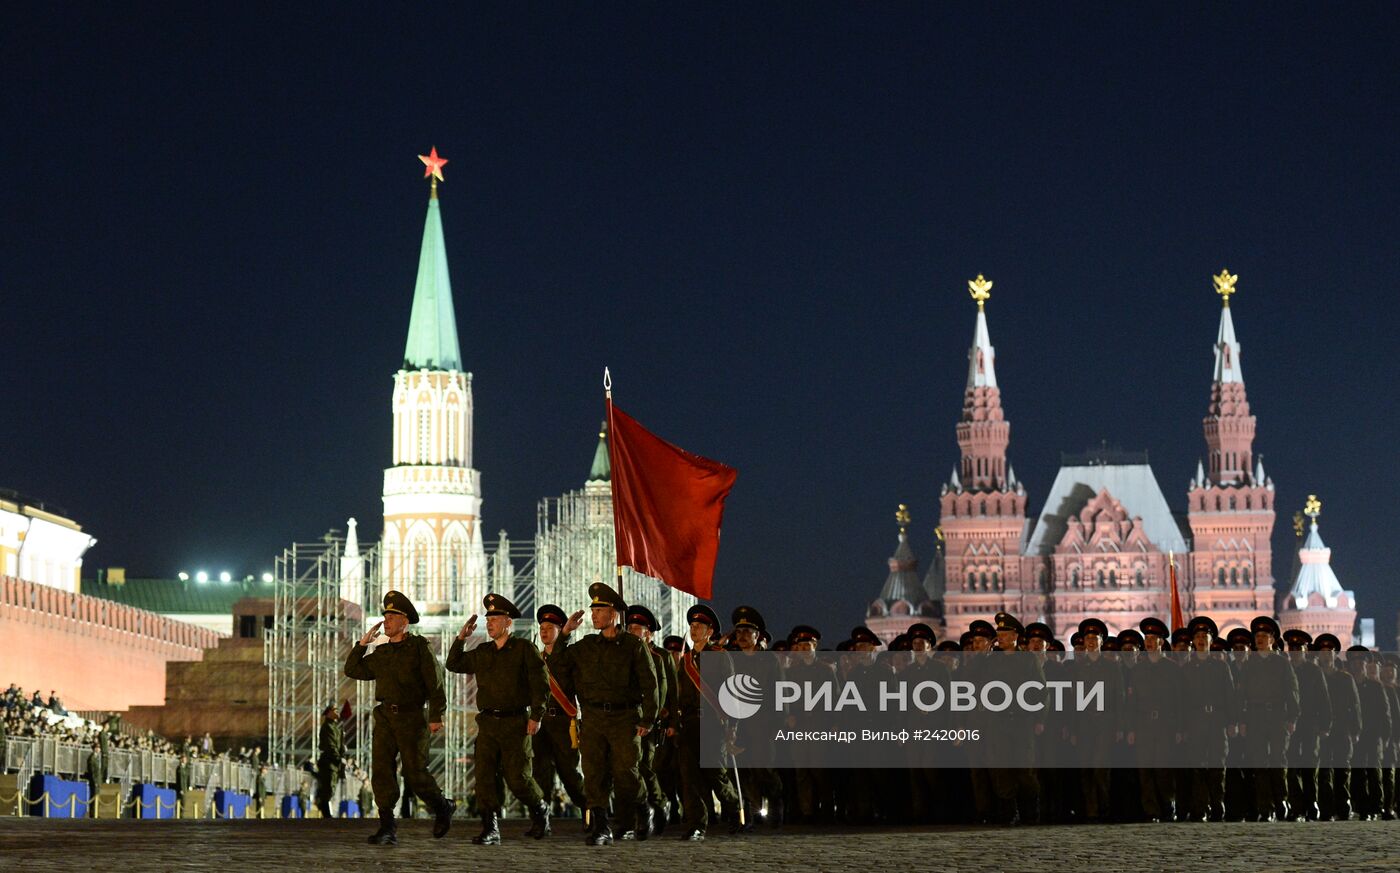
pixel 326 596
pixel 575 546
pixel 312 629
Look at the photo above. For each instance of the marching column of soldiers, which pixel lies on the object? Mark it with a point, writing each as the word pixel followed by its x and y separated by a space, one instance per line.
pixel 1264 734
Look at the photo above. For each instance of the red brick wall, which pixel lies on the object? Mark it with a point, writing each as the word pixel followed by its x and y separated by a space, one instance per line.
pixel 96 654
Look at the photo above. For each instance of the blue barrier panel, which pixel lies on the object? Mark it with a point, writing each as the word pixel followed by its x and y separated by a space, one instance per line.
pixel 65 799
pixel 349 809
pixel 291 807
pixel 231 804
pixel 152 801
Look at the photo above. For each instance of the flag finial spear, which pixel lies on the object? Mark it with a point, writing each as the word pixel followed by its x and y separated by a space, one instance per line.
pixel 981 290
pixel 607 382
pixel 1225 285
pixel 432 167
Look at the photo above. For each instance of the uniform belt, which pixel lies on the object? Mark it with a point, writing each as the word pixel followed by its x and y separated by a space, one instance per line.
pixel 504 713
pixel 1153 714
pixel 609 707
pixel 554 711
pixel 397 708
pixel 1207 708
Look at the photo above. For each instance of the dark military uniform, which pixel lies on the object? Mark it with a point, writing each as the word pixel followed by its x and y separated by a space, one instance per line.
pixel 698 784
pixel 555 743
pixel 1011 743
pixel 330 764
pixel 759 779
pixel 1314 722
pixel 1334 778
pixel 812 782
pixel 1271 707
pixel 653 742
pixel 511 688
pixel 1207 723
pixel 1155 731
pixel 1375 732
pixel 1094 733
pixel 615 679
pixel 407 677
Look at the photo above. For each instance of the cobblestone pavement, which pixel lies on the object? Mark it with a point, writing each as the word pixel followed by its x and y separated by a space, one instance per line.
pixel 36 845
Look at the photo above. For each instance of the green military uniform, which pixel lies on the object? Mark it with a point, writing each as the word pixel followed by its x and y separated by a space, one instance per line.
pixel 330 763
pixel 1213 690
pixel 816 800
pixel 259 791
pixel 1334 779
pixel 1012 743
pixel 94 770
pixel 1154 703
pixel 554 744
pixel 1271 708
pixel 1375 732
pixel 1095 732
pixel 615 679
pixel 511 689
pixel 1314 722
pixel 698 784
pixel 666 717
pixel 407 677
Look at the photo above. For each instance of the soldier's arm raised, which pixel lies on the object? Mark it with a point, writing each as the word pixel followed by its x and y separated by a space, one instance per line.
pixel 459 658
pixel 355 666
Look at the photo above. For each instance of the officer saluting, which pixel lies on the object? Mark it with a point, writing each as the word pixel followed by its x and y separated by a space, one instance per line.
pixel 613 675
pixel 510 694
pixel 406 676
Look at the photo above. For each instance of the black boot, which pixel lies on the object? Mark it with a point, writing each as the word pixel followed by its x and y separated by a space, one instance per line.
pixel 387 835
pixel 693 835
pixel 442 817
pixel 600 834
pixel 490 830
pixel 663 815
pixel 645 820
pixel 539 821
pixel 775 813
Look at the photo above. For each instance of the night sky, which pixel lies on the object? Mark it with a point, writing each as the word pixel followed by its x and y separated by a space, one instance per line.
pixel 764 222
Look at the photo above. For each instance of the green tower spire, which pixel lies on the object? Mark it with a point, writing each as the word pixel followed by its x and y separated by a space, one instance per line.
pixel 432 329
pixel 602 467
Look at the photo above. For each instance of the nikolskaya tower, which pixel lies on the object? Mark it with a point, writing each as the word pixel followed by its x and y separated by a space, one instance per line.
pixel 432 546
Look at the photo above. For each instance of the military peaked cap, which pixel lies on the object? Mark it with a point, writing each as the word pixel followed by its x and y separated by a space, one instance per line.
pixel 397 603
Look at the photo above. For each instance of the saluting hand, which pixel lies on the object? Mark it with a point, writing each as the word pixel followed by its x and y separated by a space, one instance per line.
pixel 467 629
pixel 530 727
pixel 435 726
pixel 643 730
pixel 574 621
pixel 371 634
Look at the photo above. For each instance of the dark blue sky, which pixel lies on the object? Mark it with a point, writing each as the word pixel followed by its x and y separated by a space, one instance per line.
pixel 762 221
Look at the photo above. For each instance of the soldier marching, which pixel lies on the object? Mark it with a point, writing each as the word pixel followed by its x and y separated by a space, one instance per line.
pixel 1258 731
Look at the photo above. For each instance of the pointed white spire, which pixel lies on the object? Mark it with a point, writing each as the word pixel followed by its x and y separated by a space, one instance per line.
pixel 956 482
pixel 1011 476
pixel 1227 351
pixel 1200 473
pixel 981 358
pixel 352 539
pixel 1259 470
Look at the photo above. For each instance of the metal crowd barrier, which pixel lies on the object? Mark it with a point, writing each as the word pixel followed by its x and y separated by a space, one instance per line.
pixel 26 756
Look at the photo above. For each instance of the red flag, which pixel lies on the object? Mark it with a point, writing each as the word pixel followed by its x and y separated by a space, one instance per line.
pixel 1178 622
pixel 667 506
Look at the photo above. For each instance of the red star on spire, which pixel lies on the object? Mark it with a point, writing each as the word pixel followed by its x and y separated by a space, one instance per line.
pixel 432 164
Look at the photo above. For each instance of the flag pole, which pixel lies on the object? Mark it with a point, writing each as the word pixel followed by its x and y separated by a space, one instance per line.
pixel 612 479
